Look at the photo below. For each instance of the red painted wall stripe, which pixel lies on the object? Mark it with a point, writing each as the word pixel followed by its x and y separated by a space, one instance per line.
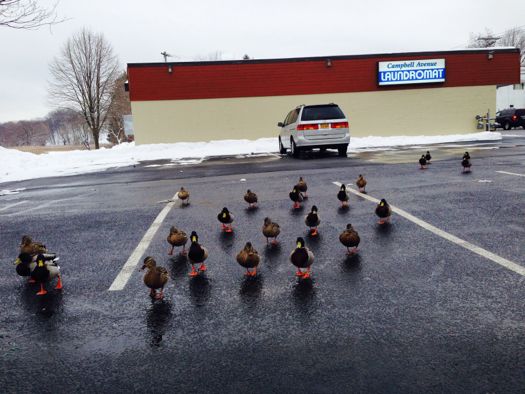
pixel 288 77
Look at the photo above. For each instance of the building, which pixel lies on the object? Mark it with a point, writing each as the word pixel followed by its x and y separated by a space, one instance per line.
pixel 413 93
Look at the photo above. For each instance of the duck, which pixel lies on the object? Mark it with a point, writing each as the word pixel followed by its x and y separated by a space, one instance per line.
pixel 302 187
pixel 350 239
pixel 302 258
pixel 226 219
pixel 155 277
pixel 271 229
pixel 384 211
pixel 361 183
pixel 184 196
pixel 197 254
pixel 251 198
pixel 428 157
pixel 27 245
pixel 248 258
pixel 423 162
pixel 465 163
pixel 312 220
pixel 297 197
pixel 177 238
pixel 45 271
pixel 24 264
pixel 342 196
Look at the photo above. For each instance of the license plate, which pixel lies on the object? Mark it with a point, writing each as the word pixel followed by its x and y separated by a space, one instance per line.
pixel 324 125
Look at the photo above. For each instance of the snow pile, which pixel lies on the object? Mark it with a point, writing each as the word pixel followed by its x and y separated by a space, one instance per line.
pixel 16 165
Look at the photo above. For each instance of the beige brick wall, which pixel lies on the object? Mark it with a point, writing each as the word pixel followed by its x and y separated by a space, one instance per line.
pixel 396 112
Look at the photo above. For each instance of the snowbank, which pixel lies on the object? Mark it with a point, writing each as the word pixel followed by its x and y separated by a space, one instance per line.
pixel 16 165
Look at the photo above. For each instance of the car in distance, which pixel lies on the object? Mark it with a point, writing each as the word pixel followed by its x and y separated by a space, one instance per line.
pixel 322 126
pixel 511 117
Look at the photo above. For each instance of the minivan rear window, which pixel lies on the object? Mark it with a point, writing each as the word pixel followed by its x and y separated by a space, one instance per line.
pixel 320 112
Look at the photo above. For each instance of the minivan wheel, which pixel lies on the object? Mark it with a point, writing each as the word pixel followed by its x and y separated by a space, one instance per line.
pixel 282 149
pixel 342 150
pixel 506 126
pixel 294 150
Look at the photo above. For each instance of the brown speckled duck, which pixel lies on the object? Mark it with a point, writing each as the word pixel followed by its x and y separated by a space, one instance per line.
pixel 251 198
pixel 155 278
pixel 184 196
pixel 350 239
pixel 302 187
pixel 248 258
pixel 361 183
pixel 177 238
pixel 27 245
pixel 271 230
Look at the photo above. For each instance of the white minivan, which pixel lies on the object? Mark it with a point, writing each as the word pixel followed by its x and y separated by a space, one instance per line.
pixel 322 126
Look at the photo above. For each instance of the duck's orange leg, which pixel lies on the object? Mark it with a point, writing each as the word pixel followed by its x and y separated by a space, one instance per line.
pixel 42 291
pixel 59 283
pixel 193 271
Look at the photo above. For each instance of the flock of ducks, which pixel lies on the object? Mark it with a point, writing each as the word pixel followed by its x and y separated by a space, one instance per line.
pixel 41 267
pixel 301 257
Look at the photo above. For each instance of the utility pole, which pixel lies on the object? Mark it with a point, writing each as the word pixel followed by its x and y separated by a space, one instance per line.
pixel 166 56
pixel 488 41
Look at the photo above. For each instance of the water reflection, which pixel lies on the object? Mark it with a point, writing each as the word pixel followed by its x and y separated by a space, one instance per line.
pixel 44 306
pixel 303 294
pixel 158 317
pixel 200 290
pixel 178 266
pixel 352 263
pixel 250 289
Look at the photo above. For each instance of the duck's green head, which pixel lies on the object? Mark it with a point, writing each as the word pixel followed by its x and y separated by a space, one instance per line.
pixel 314 209
pixel 383 202
pixel 194 237
pixel 348 226
pixel 225 212
pixel 300 242
pixel 23 258
pixel 343 187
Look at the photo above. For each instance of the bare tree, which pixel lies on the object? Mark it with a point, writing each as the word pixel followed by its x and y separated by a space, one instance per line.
pixel 515 37
pixel 120 106
pixel 83 76
pixel 26 14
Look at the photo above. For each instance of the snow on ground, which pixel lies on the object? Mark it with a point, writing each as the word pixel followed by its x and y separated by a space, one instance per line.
pixel 16 165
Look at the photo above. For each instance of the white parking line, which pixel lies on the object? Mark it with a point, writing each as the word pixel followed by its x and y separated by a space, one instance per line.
pixel 12 205
pixel 129 267
pixel 510 265
pixel 510 173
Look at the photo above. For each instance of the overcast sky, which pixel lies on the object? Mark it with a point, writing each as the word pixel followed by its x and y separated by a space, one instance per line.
pixel 194 30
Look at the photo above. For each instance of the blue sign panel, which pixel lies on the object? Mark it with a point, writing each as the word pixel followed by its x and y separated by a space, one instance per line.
pixel 411 72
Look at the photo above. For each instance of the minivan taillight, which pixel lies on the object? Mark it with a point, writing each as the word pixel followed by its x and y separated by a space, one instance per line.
pixel 307 127
pixel 514 117
pixel 339 125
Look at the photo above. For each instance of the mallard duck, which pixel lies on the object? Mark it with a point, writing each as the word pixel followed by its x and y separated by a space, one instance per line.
pixel 423 162
pixel 350 239
pixel 312 220
pixel 196 254
pixel 297 197
pixel 342 196
pixel 177 238
pixel 428 157
pixel 302 257
pixel 251 198
pixel 226 219
pixel 271 230
pixel 361 183
pixel 27 245
pixel 44 272
pixel 155 277
pixel 184 196
pixel 384 211
pixel 248 258
pixel 24 265
pixel 466 162
pixel 302 187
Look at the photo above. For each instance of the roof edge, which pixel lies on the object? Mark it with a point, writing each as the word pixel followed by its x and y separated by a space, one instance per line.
pixel 323 58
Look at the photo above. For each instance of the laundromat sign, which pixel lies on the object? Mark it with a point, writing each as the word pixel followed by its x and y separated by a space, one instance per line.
pixel 411 71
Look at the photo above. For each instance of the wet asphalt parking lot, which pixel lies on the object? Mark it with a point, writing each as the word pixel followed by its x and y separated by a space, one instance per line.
pixel 411 312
